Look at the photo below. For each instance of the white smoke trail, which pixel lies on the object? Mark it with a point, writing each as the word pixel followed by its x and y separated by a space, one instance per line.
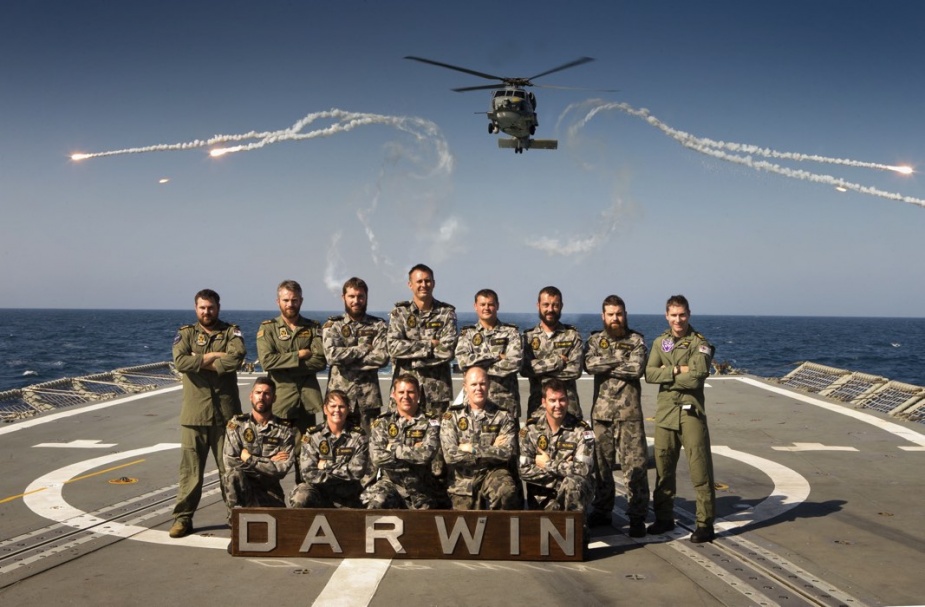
pixel 344 121
pixel 715 149
pixel 332 281
pixel 579 245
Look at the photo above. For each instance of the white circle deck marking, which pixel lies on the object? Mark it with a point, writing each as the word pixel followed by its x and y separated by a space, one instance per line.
pixel 49 503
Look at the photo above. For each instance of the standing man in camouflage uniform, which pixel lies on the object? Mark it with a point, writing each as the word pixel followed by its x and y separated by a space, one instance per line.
pixel 557 455
pixel 478 440
pixel 334 459
pixel 496 347
pixel 402 446
pixel 208 355
pixel 355 345
pixel 422 340
pixel 258 452
pixel 291 352
pixel 679 362
pixel 616 357
pixel 552 350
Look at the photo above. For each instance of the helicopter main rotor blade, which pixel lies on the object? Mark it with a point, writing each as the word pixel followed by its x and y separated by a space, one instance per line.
pixel 455 67
pixel 575 88
pixel 563 67
pixel 482 87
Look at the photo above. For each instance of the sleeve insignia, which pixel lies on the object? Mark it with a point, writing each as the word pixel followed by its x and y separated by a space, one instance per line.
pixel 434 422
pixel 447 416
pixel 284 333
pixel 588 436
pixel 463 424
pixel 237 332
pixel 345 331
pixel 231 425
pixel 176 338
pixel 393 430
pixel 412 322
pixel 324 448
pixel 477 339
pixel 249 435
pixel 705 349
pixel 259 332
pixel 523 432
pixel 542 442
pixel 201 339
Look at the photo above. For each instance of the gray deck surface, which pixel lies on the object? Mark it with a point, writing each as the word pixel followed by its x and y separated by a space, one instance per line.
pixel 820 505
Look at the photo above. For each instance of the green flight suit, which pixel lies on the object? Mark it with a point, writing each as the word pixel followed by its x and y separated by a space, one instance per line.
pixel 681 420
pixel 210 400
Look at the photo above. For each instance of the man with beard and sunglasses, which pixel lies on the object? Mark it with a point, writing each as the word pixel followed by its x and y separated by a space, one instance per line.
pixel 356 347
pixel 552 350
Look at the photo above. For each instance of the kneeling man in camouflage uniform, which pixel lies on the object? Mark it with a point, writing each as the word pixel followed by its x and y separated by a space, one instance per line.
pixel 557 455
pixel 402 445
pixel 258 452
pixel 478 440
pixel 334 459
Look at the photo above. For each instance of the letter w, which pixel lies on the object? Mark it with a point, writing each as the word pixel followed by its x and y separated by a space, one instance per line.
pixel 473 541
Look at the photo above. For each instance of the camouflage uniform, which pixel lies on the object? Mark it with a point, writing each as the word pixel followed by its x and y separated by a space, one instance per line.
pixel 210 400
pixel 480 480
pixel 298 394
pixel 333 467
pixel 356 349
pixel 410 334
pixel 255 483
pixel 617 363
pixel 403 449
pixel 481 347
pixel 542 362
pixel 681 420
pixel 567 482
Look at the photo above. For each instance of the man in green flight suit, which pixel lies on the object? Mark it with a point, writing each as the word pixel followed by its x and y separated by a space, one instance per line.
pixel 679 362
pixel 291 351
pixel 208 355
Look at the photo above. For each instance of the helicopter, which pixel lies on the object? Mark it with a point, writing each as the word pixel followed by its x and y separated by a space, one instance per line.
pixel 513 108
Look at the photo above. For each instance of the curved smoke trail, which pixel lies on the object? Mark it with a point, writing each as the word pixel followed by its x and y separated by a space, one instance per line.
pixel 716 149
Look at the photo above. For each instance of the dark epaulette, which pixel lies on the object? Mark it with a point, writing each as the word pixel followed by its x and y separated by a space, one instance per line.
pixel 402 304
pixel 371 317
pixel 357 430
pixel 508 324
pixel 241 417
pixel 331 321
pixel 567 327
pixel 467 327
pixel 443 304
pixel 315 429
pixel 282 421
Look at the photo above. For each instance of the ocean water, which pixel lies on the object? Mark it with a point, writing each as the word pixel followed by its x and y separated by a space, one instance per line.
pixel 42 345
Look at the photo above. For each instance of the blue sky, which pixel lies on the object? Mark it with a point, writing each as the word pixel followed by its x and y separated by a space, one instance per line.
pixel 620 207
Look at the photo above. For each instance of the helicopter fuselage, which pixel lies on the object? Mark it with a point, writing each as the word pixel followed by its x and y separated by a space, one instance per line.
pixel 513 112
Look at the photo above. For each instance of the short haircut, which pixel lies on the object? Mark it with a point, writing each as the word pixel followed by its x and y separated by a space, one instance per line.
pixel 613 300
pixel 551 291
pixel 678 300
pixel 486 293
pixel 554 385
pixel 422 268
pixel 355 283
pixel 407 378
pixel 290 285
pixel 208 295
pixel 337 394
pixel 265 381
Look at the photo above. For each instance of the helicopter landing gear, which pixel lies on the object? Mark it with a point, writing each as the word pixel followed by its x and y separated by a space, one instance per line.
pixel 491 128
pixel 518 150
